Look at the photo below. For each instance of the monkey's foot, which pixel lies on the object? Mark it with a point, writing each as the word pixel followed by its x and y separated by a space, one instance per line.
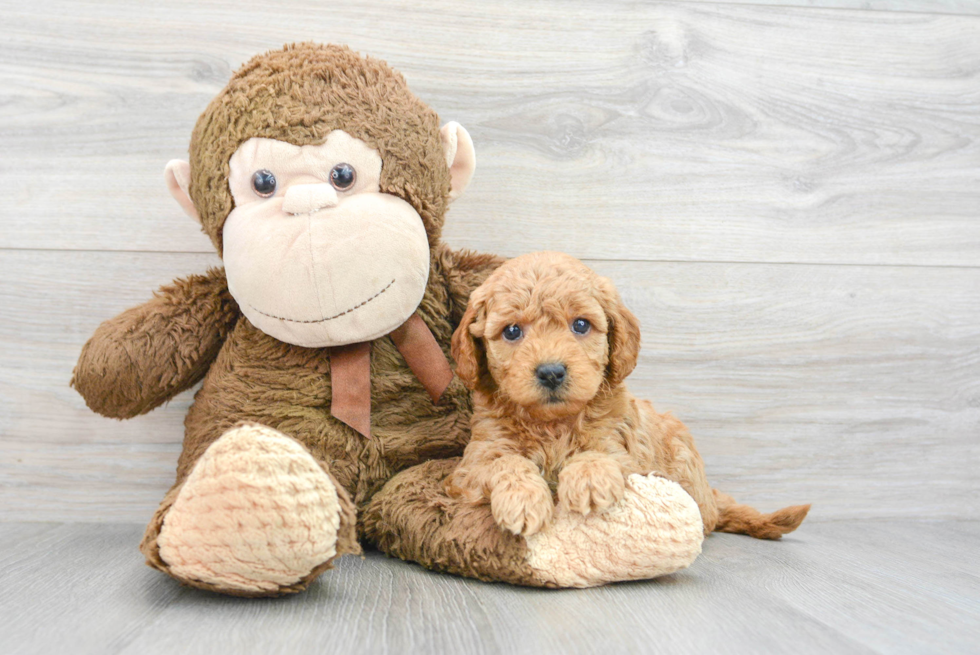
pixel 257 516
pixel 654 530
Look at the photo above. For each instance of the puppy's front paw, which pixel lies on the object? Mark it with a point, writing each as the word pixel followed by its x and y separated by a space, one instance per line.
pixel 591 483
pixel 522 506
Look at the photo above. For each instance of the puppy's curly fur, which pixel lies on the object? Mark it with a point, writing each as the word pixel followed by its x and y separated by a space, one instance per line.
pixel 545 344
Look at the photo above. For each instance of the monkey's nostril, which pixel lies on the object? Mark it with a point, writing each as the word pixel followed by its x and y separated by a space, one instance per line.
pixel 551 376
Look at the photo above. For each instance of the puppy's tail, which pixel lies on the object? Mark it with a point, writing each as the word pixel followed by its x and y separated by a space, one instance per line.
pixel 743 519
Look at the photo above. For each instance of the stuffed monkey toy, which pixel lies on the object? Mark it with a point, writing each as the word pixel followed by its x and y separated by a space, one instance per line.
pixel 329 414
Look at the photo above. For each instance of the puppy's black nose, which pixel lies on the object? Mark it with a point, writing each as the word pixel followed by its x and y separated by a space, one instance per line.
pixel 551 376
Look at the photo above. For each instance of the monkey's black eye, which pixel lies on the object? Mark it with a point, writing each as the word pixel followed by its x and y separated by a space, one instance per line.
pixel 581 326
pixel 342 176
pixel 263 183
pixel 513 332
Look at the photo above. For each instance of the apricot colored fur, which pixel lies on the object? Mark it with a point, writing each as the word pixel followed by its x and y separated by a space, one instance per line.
pixel 580 441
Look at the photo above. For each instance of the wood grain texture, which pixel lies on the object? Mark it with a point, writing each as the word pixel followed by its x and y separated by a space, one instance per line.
pixel 613 130
pixel 831 157
pixel 841 587
pixel 852 387
pixel 965 7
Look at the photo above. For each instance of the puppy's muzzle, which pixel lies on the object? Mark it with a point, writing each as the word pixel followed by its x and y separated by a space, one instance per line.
pixel 551 376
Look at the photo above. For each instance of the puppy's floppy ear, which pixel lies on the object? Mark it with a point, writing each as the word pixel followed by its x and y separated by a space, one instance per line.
pixel 468 349
pixel 623 333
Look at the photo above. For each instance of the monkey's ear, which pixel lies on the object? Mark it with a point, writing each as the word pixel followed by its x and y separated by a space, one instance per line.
pixel 460 157
pixel 178 174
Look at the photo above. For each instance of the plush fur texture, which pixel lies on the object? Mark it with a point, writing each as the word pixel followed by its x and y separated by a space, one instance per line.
pixel 148 354
pixel 661 519
pixel 413 518
pixel 193 329
pixel 257 512
pixel 581 439
pixel 299 95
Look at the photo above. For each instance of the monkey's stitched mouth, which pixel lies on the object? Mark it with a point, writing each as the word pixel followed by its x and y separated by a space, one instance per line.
pixel 329 318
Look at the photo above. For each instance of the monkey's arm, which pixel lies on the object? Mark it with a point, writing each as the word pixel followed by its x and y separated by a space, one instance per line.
pixel 465 270
pixel 150 353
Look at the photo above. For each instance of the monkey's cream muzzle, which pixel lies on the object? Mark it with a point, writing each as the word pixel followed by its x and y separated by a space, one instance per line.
pixel 314 266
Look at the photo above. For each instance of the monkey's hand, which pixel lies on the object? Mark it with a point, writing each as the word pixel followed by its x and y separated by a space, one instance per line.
pixel 150 353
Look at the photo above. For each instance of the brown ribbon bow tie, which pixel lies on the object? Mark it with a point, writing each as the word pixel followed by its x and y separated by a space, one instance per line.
pixel 350 372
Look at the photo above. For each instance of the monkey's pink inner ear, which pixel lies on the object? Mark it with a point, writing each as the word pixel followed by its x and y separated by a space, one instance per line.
pixel 178 176
pixel 460 157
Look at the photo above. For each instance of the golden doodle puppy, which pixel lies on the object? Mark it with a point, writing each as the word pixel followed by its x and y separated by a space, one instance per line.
pixel 545 345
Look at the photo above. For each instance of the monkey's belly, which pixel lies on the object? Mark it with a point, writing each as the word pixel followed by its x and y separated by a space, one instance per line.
pixel 257 379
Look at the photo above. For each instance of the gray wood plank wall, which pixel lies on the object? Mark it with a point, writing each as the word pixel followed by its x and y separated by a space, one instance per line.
pixel 787 196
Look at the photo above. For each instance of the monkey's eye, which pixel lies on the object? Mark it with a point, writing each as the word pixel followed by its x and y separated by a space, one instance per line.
pixel 263 183
pixel 581 326
pixel 512 332
pixel 342 176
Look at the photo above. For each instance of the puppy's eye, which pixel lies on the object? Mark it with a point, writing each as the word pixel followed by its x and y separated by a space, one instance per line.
pixel 513 332
pixel 342 176
pixel 581 326
pixel 263 183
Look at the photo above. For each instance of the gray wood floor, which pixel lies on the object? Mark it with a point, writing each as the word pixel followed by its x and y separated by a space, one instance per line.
pixel 839 587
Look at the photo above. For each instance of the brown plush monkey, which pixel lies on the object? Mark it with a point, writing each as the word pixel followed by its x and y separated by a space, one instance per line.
pixel 323 183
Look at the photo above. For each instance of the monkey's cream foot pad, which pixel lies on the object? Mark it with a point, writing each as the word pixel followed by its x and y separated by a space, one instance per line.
pixel 256 514
pixel 654 530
